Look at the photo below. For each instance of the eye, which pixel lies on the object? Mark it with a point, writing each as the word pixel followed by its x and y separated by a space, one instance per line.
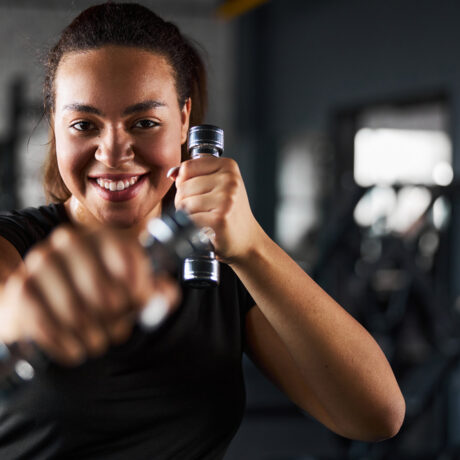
pixel 145 124
pixel 83 126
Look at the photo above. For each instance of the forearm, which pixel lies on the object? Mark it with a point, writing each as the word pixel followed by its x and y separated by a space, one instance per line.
pixel 340 362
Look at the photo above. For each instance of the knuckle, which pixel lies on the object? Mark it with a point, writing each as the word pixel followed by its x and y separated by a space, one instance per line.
pixel 64 237
pixel 232 180
pixel 232 165
pixel 36 258
pixel 234 183
pixel 185 170
pixel 42 257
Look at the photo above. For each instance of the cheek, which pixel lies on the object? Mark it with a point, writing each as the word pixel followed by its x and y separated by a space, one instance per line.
pixel 164 152
pixel 71 158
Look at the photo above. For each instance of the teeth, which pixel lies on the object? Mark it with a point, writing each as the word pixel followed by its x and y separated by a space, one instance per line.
pixel 116 185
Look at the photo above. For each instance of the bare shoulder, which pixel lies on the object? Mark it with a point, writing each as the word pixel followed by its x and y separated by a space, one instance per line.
pixel 9 259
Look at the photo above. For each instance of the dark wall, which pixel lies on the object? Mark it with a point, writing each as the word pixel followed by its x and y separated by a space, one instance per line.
pixel 330 53
pixel 302 60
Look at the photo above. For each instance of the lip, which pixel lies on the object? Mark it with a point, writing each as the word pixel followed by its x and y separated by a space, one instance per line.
pixel 114 177
pixel 118 195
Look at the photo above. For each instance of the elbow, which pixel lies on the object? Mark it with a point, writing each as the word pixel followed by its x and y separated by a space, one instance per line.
pixel 379 422
pixel 394 419
pixel 387 421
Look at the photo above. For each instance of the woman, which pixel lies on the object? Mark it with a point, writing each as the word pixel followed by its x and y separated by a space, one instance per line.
pixel 121 90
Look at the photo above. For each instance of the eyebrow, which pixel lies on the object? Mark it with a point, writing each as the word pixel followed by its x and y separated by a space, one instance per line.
pixel 76 107
pixel 142 106
pixel 139 107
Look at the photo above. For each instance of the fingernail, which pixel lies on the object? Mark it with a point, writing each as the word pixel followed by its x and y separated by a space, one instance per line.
pixel 154 312
pixel 172 171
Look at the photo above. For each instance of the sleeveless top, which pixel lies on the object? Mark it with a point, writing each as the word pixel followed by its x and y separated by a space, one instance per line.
pixel 175 393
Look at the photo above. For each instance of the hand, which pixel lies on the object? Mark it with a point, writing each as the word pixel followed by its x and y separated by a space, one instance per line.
pixel 212 191
pixel 78 293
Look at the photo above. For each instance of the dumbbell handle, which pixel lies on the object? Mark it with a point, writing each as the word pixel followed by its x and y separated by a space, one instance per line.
pixel 201 270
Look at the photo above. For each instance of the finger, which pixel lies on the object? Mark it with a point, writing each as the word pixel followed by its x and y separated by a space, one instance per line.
pixel 128 266
pixel 198 167
pixel 89 274
pixel 112 264
pixel 64 349
pixel 199 203
pixel 58 293
pixel 195 186
pixel 48 279
pixel 41 326
pixel 120 329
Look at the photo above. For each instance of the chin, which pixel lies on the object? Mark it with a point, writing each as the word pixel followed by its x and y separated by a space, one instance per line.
pixel 120 220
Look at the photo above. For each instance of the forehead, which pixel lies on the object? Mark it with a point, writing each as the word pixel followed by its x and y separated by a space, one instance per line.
pixel 110 72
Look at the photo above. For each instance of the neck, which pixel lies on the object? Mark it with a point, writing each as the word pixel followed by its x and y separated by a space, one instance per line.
pixel 82 217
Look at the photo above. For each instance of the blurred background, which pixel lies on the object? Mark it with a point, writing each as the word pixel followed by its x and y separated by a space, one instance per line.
pixel 344 118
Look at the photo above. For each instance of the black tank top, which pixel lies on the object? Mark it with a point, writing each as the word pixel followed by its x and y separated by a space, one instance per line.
pixel 176 393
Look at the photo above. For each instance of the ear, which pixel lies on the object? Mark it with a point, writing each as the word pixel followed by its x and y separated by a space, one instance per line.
pixel 185 119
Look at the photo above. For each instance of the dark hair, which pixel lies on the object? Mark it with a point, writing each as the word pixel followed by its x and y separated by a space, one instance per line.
pixel 124 24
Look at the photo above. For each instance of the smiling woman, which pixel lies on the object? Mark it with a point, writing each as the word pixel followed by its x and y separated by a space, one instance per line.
pixel 121 90
pixel 117 120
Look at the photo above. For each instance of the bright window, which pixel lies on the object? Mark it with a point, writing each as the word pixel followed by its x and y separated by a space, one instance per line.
pixel 391 156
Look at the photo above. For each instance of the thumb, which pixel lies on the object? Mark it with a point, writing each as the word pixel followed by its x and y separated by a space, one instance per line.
pixel 173 173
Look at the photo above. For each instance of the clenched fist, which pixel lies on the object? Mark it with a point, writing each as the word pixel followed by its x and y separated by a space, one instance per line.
pixel 212 192
pixel 76 293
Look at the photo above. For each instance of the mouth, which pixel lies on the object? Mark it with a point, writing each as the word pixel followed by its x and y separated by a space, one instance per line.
pixel 118 187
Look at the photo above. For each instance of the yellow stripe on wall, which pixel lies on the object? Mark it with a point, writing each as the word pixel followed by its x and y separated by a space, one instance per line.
pixel 232 8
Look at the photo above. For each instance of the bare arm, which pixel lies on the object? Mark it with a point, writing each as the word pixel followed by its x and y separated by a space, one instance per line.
pixel 315 351
pixel 309 345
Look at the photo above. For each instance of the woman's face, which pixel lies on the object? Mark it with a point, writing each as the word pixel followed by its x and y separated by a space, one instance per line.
pixel 118 129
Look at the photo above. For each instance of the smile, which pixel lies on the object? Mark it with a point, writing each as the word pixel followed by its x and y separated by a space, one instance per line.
pixel 117 185
pixel 119 188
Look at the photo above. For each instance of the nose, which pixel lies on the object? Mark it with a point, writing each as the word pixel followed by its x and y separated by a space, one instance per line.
pixel 115 148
